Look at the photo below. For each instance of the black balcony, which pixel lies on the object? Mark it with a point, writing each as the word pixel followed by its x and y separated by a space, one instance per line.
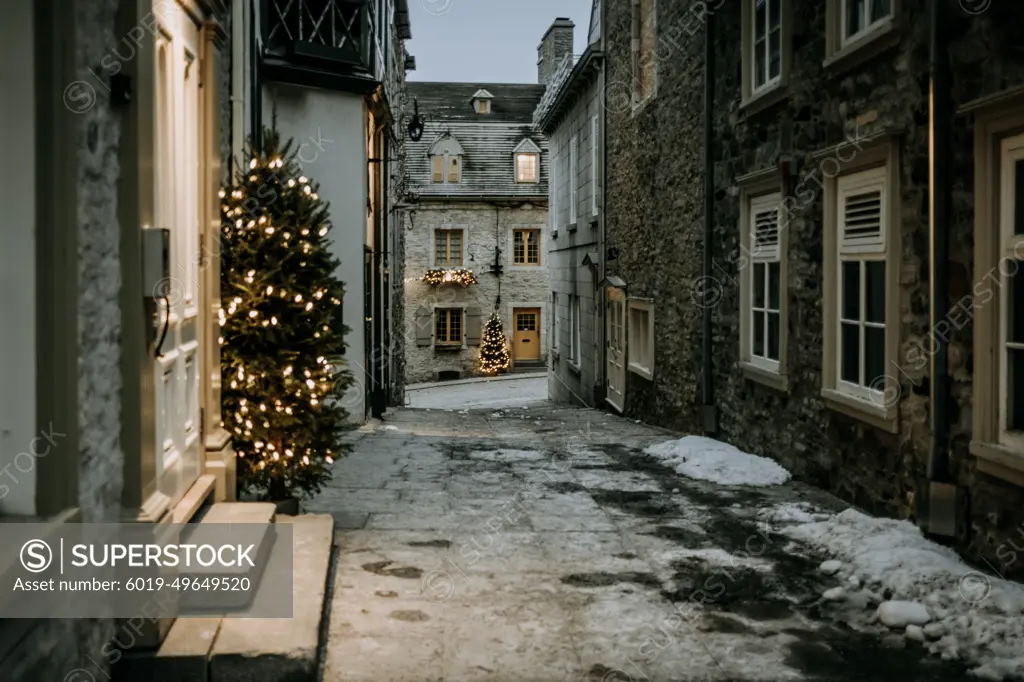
pixel 325 43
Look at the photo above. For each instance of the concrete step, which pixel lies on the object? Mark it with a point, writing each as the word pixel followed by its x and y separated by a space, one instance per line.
pixel 273 650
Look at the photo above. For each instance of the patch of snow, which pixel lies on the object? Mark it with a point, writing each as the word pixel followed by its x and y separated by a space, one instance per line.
pixel 790 513
pixel 834 594
pixel 711 460
pixel 507 455
pixel 388 427
pixel 830 567
pixel 915 633
pixel 973 616
pixel 900 614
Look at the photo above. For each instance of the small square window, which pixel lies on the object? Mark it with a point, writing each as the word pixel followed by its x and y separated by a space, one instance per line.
pixel 526 168
pixel 526 247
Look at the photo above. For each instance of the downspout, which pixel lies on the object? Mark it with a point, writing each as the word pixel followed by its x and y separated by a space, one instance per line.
pixel 709 412
pixel 940 511
pixel 238 43
pixel 377 265
pixel 256 106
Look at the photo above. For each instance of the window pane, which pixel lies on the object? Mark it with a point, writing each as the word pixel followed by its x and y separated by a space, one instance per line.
pixel 1015 390
pixel 875 294
pixel 1018 198
pixel 759 59
pixel 879 9
pixel 874 355
pixel 455 325
pixel 759 334
pixel 1015 305
pixel 775 9
pixel 774 54
pixel 758 285
pixel 851 290
pixel 774 285
pixel 773 336
pixel 854 11
pixel 455 247
pixel 441 326
pixel 760 13
pixel 849 353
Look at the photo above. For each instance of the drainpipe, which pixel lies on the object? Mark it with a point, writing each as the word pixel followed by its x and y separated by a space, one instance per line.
pixel 940 511
pixel 256 106
pixel 708 411
pixel 238 43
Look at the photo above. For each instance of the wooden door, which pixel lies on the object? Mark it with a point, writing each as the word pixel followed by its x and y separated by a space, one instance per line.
pixel 526 336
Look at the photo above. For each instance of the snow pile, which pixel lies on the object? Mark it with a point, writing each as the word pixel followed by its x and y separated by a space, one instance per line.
pixel 507 455
pixel 789 513
pixel 711 460
pixel 965 613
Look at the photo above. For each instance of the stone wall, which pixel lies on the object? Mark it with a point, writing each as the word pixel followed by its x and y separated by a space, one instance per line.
pixel 655 220
pixel 554 46
pixel 484 227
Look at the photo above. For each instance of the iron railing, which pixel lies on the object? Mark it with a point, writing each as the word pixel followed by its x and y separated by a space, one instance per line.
pixel 329 30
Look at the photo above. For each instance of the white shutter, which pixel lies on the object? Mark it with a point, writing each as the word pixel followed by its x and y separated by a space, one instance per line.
pixel 764 227
pixel 862 204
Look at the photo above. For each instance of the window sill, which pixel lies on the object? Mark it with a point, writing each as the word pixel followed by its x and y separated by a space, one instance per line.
pixel 572 227
pixel 642 371
pixel 765 99
pixel 593 221
pixel 884 418
pixel 448 348
pixel 999 461
pixel 575 368
pixel 780 382
pixel 866 47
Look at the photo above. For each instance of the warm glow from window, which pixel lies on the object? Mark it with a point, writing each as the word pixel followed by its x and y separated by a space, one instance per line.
pixel 526 168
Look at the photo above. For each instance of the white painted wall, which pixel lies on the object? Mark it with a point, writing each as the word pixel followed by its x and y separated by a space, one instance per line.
pixel 329 131
pixel 18 423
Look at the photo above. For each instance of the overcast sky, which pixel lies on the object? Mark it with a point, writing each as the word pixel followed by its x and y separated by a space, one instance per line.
pixel 493 41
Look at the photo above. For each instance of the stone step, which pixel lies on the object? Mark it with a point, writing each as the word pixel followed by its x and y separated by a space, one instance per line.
pixel 272 650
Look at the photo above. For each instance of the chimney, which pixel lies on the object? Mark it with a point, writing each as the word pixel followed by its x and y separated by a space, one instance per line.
pixel 556 43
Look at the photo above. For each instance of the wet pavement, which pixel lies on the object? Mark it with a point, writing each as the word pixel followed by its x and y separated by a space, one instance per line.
pixel 541 545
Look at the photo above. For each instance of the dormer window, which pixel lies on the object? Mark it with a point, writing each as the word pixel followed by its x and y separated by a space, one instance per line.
pixel 482 101
pixel 527 161
pixel 446 160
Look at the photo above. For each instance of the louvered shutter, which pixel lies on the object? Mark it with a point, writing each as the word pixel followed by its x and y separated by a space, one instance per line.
pixel 473 327
pixel 764 225
pixel 437 168
pixel 862 212
pixel 424 327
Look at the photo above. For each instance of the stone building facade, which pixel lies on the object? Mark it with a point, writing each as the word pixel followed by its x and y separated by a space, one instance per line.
pixel 571 115
pixel 476 199
pixel 820 184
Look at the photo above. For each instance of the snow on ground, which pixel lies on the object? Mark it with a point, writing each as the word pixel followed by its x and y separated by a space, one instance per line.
pixel 711 460
pixel 922 588
pixel 507 391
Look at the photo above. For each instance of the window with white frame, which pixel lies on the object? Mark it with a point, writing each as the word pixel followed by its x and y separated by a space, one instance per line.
pixel 862 202
pixel 527 167
pixel 640 339
pixel 766 36
pixel 1011 318
pixel 574 153
pixel 448 245
pixel 594 141
pixel 574 329
pixel 860 17
pixel 448 326
pixel 644 50
pixel 554 321
pixel 765 295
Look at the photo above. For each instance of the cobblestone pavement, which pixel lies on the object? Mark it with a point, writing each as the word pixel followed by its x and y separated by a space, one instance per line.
pixel 541 545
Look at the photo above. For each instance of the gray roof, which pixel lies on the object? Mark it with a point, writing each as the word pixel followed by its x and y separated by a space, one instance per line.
pixel 513 102
pixel 487 140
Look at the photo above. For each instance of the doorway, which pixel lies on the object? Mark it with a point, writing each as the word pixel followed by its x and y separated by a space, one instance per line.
pixel 616 357
pixel 526 334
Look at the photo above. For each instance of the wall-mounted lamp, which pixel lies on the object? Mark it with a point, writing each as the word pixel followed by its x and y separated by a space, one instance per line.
pixel 416 123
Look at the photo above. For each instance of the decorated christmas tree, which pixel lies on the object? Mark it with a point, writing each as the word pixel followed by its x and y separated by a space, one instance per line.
pixel 281 330
pixel 494 357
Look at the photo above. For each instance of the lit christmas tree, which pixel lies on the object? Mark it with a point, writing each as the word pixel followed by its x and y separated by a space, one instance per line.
pixel 494 356
pixel 281 330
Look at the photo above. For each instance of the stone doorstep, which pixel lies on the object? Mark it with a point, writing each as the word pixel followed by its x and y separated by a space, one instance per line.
pixel 236 649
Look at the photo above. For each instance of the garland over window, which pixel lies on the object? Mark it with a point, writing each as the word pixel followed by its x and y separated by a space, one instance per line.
pixel 454 276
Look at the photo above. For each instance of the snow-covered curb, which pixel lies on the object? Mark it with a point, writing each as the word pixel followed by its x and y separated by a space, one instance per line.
pixel 954 610
pixel 711 460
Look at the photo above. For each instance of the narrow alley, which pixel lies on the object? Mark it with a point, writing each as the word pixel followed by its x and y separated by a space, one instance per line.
pixel 539 543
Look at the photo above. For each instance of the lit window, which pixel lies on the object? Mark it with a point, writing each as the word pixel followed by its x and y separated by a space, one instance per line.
pixel 1011 325
pixel 447 248
pixel 448 327
pixel 526 168
pixel 526 247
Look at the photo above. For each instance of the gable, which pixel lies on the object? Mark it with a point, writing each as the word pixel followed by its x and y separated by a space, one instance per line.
pixel 445 144
pixel 526 146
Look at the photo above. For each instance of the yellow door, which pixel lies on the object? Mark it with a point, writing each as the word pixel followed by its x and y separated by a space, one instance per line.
pixel 526 340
